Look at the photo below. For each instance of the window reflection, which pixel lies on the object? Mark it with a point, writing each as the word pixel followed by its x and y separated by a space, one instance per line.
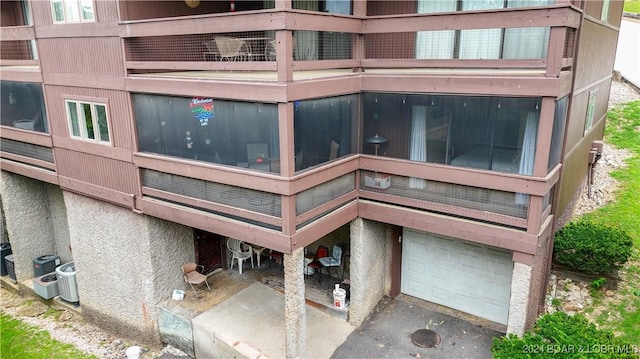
pixel 22 106
pixel 323 129
pixel 232 133
pixel 491 133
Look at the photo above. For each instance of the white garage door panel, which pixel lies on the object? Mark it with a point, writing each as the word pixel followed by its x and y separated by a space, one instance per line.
pixel 462 275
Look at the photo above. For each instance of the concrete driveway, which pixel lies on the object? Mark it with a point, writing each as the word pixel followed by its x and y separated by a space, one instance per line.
pixel 387 334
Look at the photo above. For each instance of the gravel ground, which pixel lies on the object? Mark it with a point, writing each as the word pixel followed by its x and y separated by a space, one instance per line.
pixel 604 186
pixel 67 327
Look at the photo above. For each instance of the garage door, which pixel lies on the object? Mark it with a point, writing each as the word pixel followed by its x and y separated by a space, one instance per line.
pixel 466 276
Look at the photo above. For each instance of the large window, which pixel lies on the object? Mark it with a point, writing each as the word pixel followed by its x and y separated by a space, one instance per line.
pixel 591 109
pixel 497 43
pixel 22 106
pixel 241 134
pixel 70 11
pixel 491 133
pixel 557 136
pixel 88 120
pixel 324 129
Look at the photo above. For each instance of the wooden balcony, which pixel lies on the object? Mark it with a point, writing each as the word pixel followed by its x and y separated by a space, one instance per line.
pixel 328 41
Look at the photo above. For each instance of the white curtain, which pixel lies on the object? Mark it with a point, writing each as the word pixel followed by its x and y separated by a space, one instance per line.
pixel 528 151
pixel 528 42
pixel 435 44
pixel 418 146
pixel 306 42
pixel 480 44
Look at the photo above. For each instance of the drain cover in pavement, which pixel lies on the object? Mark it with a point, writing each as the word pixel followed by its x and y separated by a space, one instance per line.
pixel 425 338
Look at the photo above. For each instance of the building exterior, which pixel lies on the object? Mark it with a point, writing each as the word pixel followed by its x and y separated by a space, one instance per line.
pixel 437 142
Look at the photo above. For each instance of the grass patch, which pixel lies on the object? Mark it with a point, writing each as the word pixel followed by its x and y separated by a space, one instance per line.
pixel 632 6
pixel 623 131
pixel 20 340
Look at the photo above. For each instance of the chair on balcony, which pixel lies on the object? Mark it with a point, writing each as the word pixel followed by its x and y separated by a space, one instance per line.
pixel 270 50
pixel 232 49
pixel 211 51
pixel 299 160
pixel 334 147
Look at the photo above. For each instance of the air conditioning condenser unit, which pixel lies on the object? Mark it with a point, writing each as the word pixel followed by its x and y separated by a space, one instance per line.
pixel 67 284
pixel 11 269
pixel 46 286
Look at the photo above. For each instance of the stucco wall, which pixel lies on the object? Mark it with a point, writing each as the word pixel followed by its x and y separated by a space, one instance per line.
pixel 59 225
pixel 520 290
pixel 125 263
pixel 28 222
pixel 4 237
pixel 370 261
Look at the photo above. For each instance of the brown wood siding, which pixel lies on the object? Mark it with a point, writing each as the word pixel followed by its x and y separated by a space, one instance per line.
pixel 575 167
pixel 460 175
pixel 615 12
pixel 33 137
pixel 15 50
pixel 94 56
pixel 377 44
pixel 106 11
pixel 578 113
pixel 539 275
pixel 137 10
pixel 118 107
pixel 29 171
pixel 596 53
pixel 449 226
pixel 376 8
pixel 41 12
pixel 593 8
pixel 96 170
pixel 216 224
pixel 11 14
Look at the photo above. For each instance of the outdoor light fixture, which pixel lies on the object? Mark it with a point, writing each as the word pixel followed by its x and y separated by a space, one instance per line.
pixel 192 3
pixel 376 140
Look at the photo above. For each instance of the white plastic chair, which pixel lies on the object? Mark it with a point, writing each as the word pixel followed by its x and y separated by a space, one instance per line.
pixel 240 252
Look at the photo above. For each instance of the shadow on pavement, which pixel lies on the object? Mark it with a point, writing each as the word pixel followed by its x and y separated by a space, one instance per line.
pixel 387 334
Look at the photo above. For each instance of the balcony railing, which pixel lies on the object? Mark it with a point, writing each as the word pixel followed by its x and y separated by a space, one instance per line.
pixel 528 38
pixel 496 206
pixel 18 46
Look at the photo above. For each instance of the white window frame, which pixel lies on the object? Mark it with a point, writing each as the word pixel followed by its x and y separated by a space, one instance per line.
pixel 591 108
pixel 82 124
pixel 77 4
pixel 604 14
